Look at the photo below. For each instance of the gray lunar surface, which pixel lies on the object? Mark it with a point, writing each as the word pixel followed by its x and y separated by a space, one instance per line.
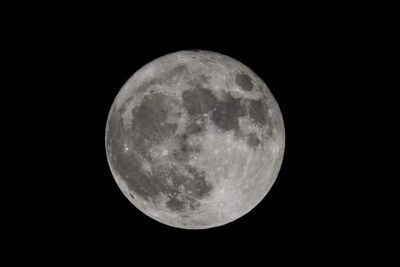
pixel 195 139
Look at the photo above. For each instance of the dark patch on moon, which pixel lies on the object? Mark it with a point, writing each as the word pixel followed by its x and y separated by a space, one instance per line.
pixel 183 148
pixel 204 78
pixel 148 186
pixel 149 118
pixel 244 81
pixel 178 70
pixel 194 204
pixel 198 100
pixel 258 111
pixel 175 72
pixel 113 132
pixel 148 127
pixel 198 184
pixel 144 86
pixel 168 177
pixel 227 112
pixel 252 140
pixel 129 169
pixel 128 164
pixel 196 125
pixel 175 204
pixel 175 176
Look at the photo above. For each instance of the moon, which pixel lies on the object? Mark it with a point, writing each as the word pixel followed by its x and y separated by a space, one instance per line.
pixel 195 139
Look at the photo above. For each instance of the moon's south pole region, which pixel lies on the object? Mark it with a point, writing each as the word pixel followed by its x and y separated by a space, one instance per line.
pixel 195 139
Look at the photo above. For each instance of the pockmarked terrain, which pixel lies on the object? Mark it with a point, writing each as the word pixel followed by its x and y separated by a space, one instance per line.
pixel 195 139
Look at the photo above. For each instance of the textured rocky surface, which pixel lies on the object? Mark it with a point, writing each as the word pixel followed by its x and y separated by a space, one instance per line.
pixel 195 139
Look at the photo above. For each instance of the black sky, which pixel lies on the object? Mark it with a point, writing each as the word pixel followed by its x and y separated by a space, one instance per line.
pixel 74 65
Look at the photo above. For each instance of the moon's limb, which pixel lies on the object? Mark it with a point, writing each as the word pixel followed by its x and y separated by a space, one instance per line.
pixel 195 139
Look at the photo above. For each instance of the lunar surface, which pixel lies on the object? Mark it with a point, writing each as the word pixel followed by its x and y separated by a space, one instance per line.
pixel 195 139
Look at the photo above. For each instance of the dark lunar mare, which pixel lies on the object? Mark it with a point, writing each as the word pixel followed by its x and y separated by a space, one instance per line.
pixel 195 186
pixel 149 127
pixel 244 81
pixel 252 140
pixel 258 111
pixel 198 184
pixel 127 165
pixel 145 131
pixel 184 148
pixel 166 78
pixel 198 100
pixel 227 112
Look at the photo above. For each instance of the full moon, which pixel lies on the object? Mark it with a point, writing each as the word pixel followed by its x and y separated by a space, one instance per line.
pixel 195 139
